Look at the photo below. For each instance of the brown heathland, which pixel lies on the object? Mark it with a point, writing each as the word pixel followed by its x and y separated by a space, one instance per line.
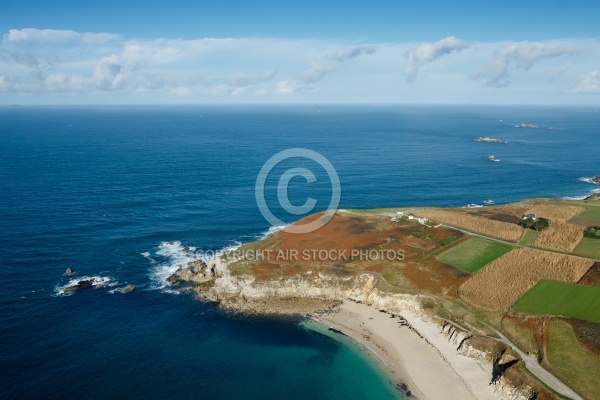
pixel 496 229
pixel 555 212
pixel 559 236
pixel 507 278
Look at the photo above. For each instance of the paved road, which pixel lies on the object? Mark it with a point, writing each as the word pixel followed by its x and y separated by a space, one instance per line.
pixel 536 369
pixel 531 363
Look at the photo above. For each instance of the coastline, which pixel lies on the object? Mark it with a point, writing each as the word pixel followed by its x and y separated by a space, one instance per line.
pixel 415 352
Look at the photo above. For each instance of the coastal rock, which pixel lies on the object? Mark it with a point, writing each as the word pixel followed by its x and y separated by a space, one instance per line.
pixel 79 285
pixel 69 272
pixel 595 179
pixel 195 271
pixel 128 288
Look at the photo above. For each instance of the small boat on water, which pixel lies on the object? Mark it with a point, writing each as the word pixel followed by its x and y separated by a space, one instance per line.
pixel 488 201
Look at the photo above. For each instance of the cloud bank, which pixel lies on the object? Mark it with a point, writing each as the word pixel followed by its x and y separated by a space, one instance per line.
pixel 521 55
pixel 47 65
pixel 429 52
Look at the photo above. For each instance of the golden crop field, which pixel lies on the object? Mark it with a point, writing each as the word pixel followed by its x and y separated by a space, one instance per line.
pixel 507 278
pixel 559 236
pixel 555 212
pixel 496 229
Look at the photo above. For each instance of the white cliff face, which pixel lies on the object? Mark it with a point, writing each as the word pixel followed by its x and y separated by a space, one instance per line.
pixel 311 286
pixel 244 290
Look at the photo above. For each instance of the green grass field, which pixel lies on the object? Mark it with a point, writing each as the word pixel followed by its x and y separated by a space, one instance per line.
pixel 592 213
pixel 588 247
pixel 570 361
pixel 472 255
pixel 530 235
pixel 560 298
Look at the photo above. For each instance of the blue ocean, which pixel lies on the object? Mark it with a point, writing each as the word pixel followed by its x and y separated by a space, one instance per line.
pixel 115 193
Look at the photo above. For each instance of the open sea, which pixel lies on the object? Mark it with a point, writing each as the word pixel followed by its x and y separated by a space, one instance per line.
pixel 116 192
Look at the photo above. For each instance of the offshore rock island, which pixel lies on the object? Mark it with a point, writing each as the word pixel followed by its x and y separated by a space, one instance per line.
pixel 457 303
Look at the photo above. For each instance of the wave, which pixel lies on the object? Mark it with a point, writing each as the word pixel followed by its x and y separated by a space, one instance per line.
pixel 169 257
pixel 59 290
pixel 588 180
pixel 270 231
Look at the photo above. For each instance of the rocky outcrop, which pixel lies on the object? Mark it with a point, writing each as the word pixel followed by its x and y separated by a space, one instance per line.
pixel 79 285
pixel 69 272
pixel 128 288
pixel 194 272
pixel 319 290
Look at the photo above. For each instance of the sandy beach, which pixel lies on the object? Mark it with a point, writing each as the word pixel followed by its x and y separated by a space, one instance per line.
pixel 414 353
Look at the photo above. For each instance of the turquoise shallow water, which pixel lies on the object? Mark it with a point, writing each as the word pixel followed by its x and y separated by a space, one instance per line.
pixel 103 190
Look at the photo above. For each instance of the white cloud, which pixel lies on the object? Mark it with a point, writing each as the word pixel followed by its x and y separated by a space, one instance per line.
pixel 286 86
pixel 59 66
pixel 522 55
pixel 319 67
pixel 589 83
pixel 429 52
pixel 56 36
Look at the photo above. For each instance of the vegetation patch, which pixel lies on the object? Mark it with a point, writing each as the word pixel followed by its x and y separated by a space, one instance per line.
pixel 499 285
pixel 473 254
pixel 446 241
pixel 588 248
pixel 560 298
pixel 560 236
pixel 529 237
pixel 592 277
pixel 555 212
pixel 592 213
pixel 592 232
pixel 496 229
pixel 570 361
pixel 588 333
pixel 537 224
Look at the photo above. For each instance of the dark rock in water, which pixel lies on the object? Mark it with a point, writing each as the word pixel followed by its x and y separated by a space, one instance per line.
pixel 173 279
pixel 69 272
pixel 595 179
pixel 80 285
pixel 128 288
pixel 186 249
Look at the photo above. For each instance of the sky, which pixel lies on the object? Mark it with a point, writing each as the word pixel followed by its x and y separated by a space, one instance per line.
pixel 234 52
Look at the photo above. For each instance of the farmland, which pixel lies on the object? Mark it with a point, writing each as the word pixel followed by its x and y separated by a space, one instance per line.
pixel 560 298
pixel 592 213
pixel 495 229
pixel 555 212
pixel 560 236
pixel 507 278
pixel 588 247
pixel 570 361
pixel 472 255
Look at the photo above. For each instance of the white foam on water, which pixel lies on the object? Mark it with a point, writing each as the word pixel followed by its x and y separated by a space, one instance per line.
pixel 59 290
pixel 270 231
pixel 173 256
pixel 588 180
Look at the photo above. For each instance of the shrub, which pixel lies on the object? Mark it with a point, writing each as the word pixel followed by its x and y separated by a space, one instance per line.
pixel 535 224
pixel 592 232
pixel 446 241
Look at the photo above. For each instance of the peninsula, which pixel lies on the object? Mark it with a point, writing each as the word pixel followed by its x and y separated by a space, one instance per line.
pixel 455 303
